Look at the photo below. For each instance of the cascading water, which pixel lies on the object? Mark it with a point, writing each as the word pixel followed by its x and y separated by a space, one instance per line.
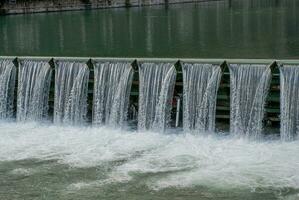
pixel 112 88
pixel 71 87
pixel 34 79
pixel 156 86
pixel 289 101
pixel 201 83
pixel 144 164
pixel 249 85
pixel 7 85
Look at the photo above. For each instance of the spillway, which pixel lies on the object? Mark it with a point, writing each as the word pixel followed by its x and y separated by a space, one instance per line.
pixel 7 84
pixel 34 78
pixel 249 85
pixel 156 88
pixel 106 147
pixel 199 95
pixel 201 83
pixel 112 87
pixel 71 87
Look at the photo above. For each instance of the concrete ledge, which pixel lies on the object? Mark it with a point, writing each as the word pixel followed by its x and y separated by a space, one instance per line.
pixel 51 6
pixel 174 60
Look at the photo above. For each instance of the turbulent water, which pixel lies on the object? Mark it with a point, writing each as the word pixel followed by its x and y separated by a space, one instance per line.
pixel 249 85
pixel 156 86
pixel 7 84
pixel 112 89
pixel 289 102
pixel 34 79
pixel 71 87
pixel 55 162
pixel 201 83
pixel 47 161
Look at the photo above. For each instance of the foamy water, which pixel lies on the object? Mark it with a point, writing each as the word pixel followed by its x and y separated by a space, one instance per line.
pixel 183 160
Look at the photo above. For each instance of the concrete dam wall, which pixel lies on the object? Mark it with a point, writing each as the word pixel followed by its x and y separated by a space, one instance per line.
pixel 36 6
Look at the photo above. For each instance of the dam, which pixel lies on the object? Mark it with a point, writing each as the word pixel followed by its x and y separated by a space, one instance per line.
pixel 174 101
pixel 243 97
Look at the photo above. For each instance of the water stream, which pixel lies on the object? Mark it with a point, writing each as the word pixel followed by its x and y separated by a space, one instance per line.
pixel 34 79
pixel 71 87
pixel 201 82
pixel 289 102
pixel 7 84
pixel 249 85
pixel 156 86
pixel 112 90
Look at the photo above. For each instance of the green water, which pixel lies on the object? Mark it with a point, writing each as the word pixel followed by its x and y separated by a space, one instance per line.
pixel 223 29
pixel 55 181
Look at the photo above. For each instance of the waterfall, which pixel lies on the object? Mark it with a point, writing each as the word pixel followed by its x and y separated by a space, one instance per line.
pixel 71 88
pixel 249 85
pixel 7 85
pixel 289 102
pixel 201 83
pixel 34 80
pixel 156 86
pixel 112 87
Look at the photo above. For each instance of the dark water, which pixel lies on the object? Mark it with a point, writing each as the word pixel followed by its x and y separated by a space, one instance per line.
pixel 222 29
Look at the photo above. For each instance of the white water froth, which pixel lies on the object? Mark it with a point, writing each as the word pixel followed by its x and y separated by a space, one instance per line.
pixel 22 171
pixel 172 160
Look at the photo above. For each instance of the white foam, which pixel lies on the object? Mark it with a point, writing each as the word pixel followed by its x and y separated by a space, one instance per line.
pixel 79 147
pixel 97 183
pixel 81 185
pixel 22 171
pixel 180 160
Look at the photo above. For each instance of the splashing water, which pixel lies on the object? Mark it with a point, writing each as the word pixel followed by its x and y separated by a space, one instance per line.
pixel 112 89
pixel 71 87
pixel 34 79
pixel 7 84
pixel 249 85
pixel 156 86
pixel 39 158
pixel 289 101
pixel 201 83
pixel 158 161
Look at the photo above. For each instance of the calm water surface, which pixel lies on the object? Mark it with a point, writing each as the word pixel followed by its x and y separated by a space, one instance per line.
pixel 222 29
